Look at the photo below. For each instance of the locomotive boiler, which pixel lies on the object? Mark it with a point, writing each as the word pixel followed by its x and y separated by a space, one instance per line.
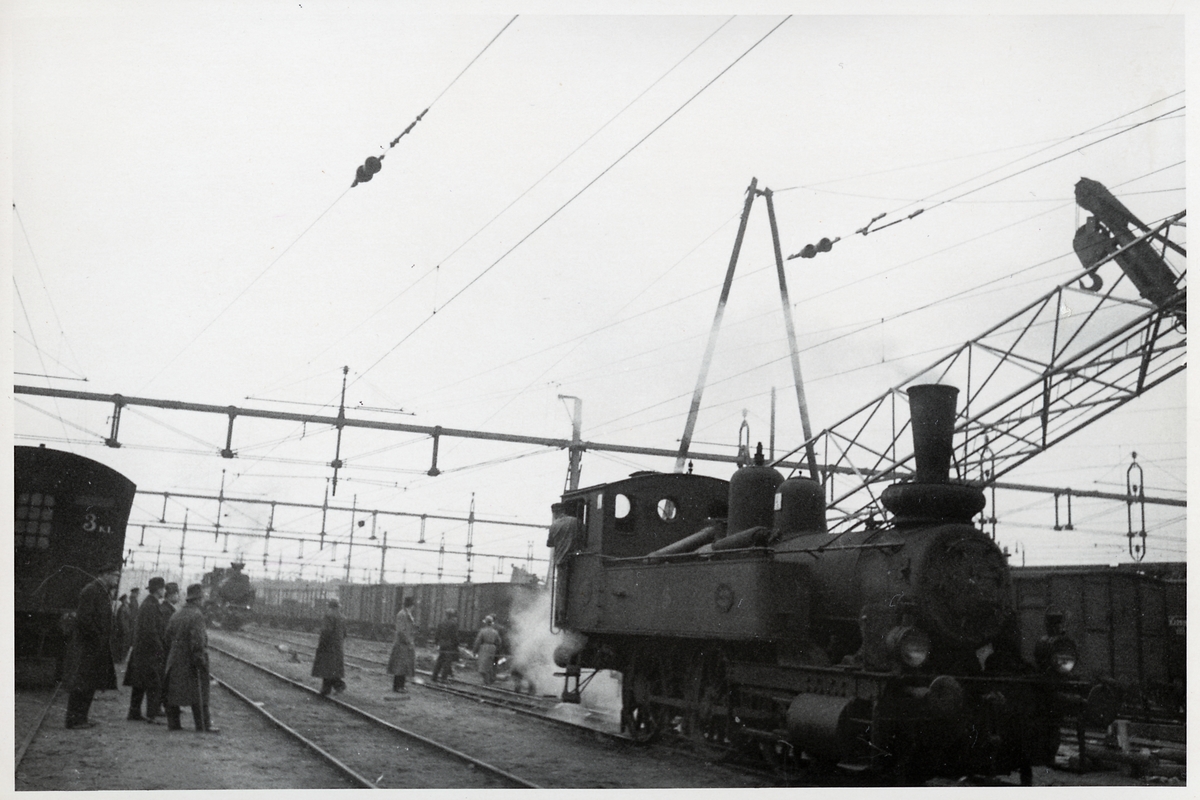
pixel 738 621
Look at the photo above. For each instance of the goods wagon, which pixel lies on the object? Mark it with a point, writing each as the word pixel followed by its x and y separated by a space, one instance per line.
pixel 1122 621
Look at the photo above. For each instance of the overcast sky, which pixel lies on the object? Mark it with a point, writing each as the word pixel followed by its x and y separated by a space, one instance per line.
pixel 558 222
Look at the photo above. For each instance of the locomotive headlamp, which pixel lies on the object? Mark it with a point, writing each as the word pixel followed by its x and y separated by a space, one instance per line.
pixel 910 645
pixel 1057 654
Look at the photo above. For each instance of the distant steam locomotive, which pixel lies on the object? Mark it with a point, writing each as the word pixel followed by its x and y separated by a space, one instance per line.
pixel 737 620
pixel 230 602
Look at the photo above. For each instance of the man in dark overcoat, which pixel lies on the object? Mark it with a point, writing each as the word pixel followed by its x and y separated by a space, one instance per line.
pixel 186 680
pixel 89 664
pixel 447 640
pixel 148 658
pixel 329 661
pixel 170 602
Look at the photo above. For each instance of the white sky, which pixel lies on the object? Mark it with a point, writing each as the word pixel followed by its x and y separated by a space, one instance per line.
pixel 183 230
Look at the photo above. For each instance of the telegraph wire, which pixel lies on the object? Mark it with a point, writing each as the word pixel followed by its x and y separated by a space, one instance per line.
pixel 49 298
pixel 587 186
pixel 435 269
pixel 301 235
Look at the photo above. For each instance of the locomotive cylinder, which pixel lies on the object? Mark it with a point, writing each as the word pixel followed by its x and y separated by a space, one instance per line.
pixel 752 494
pixel 799 507
pixel 821 725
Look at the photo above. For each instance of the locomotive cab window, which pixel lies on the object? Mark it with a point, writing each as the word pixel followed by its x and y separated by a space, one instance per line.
pixel 623 516
pixel 668 509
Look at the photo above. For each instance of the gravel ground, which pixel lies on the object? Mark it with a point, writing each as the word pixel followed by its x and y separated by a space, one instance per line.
pixel 248 753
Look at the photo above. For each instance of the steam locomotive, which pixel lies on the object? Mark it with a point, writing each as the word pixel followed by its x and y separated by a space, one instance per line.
pixel 230 601
pixel 739 622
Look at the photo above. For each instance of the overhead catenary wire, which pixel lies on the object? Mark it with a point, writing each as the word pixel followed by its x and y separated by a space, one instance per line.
pixel 572 199
pixel 300 236
pixel 435 270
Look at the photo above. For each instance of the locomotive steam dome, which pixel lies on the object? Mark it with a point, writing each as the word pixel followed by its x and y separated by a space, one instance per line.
pixel 752 495
pixel 800 507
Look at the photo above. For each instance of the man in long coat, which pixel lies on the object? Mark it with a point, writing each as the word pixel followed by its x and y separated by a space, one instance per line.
pixel 148 658
pixel 89 664
pixel 186 679
pixel 402 663
pixel 122 638
pixel 329 661
pixel 487 645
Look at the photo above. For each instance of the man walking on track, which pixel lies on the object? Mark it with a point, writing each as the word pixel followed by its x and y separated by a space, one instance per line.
pixel 329 661
pixel 187 676
pixel 89 662
pixel 402 663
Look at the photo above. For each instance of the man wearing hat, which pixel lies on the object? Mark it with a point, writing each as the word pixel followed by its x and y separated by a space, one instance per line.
pixel 148 658
pixel 447 639
pixel 89 663
pixel 487 645
pixel 170 602
pixel 329 661
pixel 402 662
pixel 186 678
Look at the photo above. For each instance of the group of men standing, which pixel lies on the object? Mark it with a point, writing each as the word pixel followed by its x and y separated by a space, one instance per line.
pixel 329 659
pixel 168 656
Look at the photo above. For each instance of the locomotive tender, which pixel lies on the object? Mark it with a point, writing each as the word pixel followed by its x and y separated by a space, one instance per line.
pixel 737 620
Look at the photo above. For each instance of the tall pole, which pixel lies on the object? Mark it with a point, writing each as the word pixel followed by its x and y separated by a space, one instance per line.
pixel 470 535
pixel 686 442
pixel 350 550
pixel 791 332
pixel 341 421
pixel 573 465
pixel 383 557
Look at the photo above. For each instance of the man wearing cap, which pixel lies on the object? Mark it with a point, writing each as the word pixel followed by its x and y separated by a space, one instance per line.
pixel 89 663
pixel 148 658
pixel 447 640
pixel 402 662
pixel 487 645
pixel 186 678
pixel 329 662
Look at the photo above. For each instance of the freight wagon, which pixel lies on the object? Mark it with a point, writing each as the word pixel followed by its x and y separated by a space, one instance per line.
pixel 370 609
pixel 1130 626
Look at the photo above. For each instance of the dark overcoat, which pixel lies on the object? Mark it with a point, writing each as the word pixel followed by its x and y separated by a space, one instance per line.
pixel 403 659
pixel 122 638
pixel 329 661
pixel 88 665
pixel 148 658
pixel 187 657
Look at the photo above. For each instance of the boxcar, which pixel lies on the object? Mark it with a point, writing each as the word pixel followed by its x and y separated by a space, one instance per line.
pixel 1121 621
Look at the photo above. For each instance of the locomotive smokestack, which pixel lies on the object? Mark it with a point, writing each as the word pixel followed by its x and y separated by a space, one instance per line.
pixel 932 409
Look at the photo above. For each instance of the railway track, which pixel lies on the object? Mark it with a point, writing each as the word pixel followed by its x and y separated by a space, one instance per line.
pixel 371 751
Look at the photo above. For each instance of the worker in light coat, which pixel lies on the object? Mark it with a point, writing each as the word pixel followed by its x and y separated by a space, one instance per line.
pixel 487 645
pixel 402 663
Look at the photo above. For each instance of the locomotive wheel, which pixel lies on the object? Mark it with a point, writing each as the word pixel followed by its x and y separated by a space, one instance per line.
pixel 644 720
pixel 710 723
